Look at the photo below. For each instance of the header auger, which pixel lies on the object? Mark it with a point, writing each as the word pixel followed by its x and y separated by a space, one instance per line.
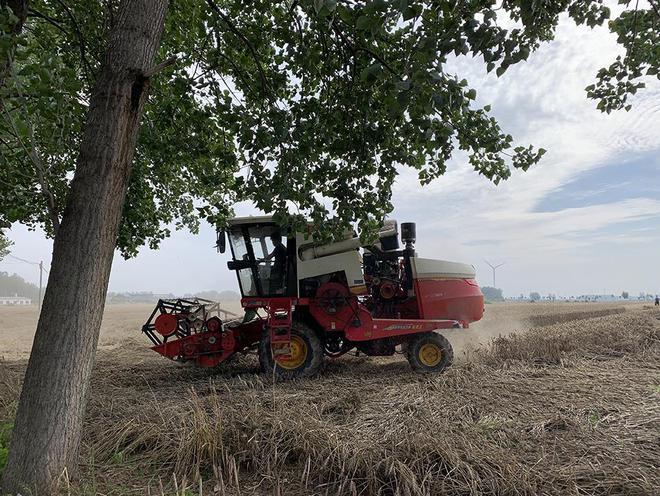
pixel 304 300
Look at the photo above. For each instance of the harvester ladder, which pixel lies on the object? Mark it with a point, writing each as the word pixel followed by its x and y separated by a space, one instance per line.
pixel 280 320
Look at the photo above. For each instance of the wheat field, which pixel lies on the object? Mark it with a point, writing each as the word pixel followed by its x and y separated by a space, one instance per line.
pixel 543 399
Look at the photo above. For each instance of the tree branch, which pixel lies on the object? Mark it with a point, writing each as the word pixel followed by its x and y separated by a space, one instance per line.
pixel 243 79
pixel 81 39
pixel 357 48
pixel 48 19
pixel 41 175
pixel 158 68
pixel 253 52
pixel 40 168
pixel 655 7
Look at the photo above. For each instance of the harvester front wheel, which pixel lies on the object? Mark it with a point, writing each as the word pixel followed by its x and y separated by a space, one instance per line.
pixel 429 352
pixel 304 359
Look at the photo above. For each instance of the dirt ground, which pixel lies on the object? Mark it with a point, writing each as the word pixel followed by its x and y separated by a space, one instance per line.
pixel 544 399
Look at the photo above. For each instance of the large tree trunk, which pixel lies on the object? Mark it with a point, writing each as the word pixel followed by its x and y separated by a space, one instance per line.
pixel 47 432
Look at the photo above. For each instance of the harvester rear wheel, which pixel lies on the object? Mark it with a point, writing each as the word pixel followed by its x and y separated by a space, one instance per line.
pixel 429 352
pixel 306 354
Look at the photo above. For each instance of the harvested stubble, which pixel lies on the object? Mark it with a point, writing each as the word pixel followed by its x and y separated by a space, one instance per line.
pixel 566 409
pixel 559 317
pixel 636 334
pixel 511 421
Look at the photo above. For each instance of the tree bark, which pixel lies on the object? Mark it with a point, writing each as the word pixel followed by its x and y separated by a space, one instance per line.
pixel 47 432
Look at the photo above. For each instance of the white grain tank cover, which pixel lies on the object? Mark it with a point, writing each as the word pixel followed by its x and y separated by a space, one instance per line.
pixel 427 268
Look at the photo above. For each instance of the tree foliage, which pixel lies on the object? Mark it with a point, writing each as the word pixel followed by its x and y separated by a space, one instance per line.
pixel 11 285
pixel 637 30
pixel 308 107
pixel 492 294
pixel 5 244
pixel 12 16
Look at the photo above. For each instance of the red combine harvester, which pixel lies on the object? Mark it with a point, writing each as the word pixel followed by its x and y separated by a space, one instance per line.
pixel 304 300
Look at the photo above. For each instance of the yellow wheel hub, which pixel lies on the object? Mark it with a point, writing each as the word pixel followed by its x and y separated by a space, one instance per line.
pixel 430 354
pixel 297 356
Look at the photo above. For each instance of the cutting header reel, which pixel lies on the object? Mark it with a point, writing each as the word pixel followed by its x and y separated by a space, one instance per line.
pixel 193 330
pixel 179 318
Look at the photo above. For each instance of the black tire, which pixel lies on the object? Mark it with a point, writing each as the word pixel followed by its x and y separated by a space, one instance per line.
pixel 421 351
pixel 307 367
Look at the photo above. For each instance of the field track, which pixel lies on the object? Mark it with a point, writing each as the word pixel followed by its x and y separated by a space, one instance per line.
pixel 567 404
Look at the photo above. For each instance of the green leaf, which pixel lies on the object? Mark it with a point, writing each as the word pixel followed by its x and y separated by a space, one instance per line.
pixel 363 22
pixel 403 85
pixel 524 52
pixel 372 72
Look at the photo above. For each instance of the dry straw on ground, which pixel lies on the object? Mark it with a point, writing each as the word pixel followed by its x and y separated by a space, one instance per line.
pixel 570 408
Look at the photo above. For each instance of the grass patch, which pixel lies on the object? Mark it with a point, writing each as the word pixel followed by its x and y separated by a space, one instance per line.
pixel 5 435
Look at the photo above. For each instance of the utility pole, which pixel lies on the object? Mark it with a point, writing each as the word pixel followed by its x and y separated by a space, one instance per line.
pixel 494 267
pixel 41 272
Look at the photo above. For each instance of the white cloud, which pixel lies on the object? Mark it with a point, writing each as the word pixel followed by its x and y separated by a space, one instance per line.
pixel 542 102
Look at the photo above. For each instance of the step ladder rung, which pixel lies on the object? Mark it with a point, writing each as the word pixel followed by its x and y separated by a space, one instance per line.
pixel 280 320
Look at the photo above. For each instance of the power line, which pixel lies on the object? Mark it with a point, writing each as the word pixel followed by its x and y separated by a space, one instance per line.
pixel 22 259
pixel 39 264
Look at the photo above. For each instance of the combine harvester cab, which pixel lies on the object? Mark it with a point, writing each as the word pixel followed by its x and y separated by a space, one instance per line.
pixel 305 301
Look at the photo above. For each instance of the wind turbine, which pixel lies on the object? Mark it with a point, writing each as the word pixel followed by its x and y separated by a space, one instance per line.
pixel 494 267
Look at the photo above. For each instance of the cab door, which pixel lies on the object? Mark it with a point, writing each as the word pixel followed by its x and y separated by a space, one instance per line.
pixel 263 259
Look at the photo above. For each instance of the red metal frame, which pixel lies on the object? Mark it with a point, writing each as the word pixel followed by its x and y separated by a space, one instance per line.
pixel 438 304
pixel 204 349
pixel 455 299
pixel 355 320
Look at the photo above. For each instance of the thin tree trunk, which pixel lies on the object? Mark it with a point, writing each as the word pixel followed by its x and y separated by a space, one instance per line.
pixel 46 438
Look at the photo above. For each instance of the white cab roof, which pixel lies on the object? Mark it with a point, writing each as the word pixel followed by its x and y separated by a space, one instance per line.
pixel 426 268
pixel 252 219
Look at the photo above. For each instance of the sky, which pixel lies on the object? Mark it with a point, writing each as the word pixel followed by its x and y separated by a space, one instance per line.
pixel 586 220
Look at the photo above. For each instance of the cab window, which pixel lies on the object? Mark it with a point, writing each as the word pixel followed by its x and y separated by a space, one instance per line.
pixel 265 253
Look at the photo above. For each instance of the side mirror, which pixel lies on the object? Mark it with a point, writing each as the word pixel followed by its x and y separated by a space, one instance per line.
pixel 221 242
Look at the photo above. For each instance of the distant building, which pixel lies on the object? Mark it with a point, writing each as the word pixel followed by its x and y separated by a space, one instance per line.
pixel 15 300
